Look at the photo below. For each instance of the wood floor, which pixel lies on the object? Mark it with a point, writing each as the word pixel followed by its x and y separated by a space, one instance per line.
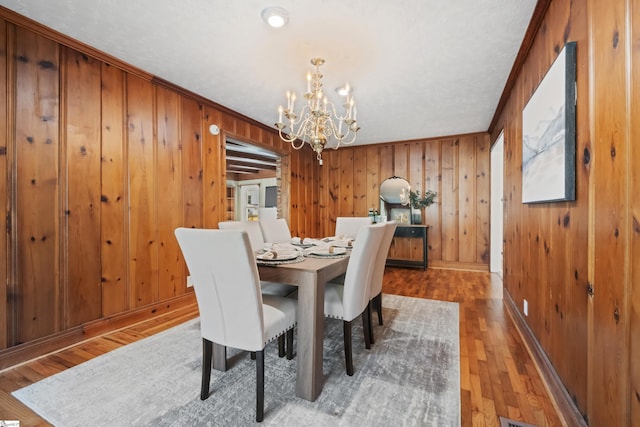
pixel 498 377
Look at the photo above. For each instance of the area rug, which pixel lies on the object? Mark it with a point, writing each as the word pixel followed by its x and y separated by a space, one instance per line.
pixel 410 376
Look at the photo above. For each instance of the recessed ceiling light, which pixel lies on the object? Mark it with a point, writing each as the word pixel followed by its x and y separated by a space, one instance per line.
pixel 344 90
pixel 275 17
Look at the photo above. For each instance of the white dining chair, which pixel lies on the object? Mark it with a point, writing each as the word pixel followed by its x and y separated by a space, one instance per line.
pixel 375 295
pixel 350 300
pixel 275 230
pixel 257 242
pixel 233 311
pixel 251 227
pixel 349 226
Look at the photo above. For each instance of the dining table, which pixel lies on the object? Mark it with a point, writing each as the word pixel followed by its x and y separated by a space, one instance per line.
pixel 310 276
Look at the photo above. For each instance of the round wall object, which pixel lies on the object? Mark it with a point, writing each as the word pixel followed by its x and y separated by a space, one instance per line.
pixel 214 129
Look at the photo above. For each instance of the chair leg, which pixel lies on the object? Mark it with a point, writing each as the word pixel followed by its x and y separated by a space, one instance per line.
pixel 253 355
pixel 281 346
pixel 290 344
pixel 207 359
pixel 372 339
pixel 366 327
pixel 347 347
pixel 259 386
pixel 378 303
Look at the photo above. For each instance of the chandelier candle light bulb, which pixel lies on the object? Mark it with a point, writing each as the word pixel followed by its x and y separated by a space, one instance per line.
pixel 318 122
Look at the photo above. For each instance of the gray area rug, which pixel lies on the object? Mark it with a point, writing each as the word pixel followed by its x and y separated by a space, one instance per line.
pixel 410 376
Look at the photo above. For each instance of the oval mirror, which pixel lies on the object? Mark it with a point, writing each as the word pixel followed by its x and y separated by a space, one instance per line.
pixel 395 190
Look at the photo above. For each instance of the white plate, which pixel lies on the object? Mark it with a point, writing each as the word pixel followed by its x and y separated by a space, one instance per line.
pixel 284 257
pixel 303 245
pixel 342 243
pixel 325 252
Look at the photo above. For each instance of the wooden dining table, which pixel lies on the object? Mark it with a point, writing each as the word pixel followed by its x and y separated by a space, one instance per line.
pixel 310 277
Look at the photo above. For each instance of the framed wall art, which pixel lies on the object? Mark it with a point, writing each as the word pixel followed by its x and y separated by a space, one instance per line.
pixel 549 134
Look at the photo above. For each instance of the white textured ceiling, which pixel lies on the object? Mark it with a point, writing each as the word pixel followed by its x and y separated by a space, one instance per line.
pixel 419 68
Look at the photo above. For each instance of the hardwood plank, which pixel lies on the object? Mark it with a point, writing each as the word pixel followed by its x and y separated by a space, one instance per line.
pixel 497 374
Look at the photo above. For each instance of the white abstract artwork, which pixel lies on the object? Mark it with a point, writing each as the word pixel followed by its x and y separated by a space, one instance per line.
pixel 548 134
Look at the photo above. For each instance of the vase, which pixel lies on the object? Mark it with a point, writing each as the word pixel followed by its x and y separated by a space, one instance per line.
pixel 416 216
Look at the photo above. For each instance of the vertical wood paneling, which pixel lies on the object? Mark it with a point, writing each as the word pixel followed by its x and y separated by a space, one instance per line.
pixel 306 178
pixel 324 198
pixel 575 339
pixel 416 166
pixel 332 165
pixel 346 182
pixel 634 190
pixel 609 352
pixel 295 190
pixel 400 161
pixel 169 193
pixel 37 204
pixel 432 218
pixel 192 167
pixel 372 189
pixel 5 197
pixel 83 291
pixel 449 199
pixel 482 194
pixel 114 209
pixel 466 200
pixel 386 162
pixel 143 246
pixel 360 206
pixel 214 167
pixel 420 162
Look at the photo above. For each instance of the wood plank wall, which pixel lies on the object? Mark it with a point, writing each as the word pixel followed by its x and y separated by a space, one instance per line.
pixel 101 163
pixel 555 251
pixel 457 168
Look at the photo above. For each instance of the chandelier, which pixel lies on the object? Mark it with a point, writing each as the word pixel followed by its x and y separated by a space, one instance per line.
pixel 318 120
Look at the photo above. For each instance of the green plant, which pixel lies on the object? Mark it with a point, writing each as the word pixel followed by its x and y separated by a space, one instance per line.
pixel 421 201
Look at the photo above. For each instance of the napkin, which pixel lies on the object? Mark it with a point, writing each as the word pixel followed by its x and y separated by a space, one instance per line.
pixel 306 241
pixel 270 255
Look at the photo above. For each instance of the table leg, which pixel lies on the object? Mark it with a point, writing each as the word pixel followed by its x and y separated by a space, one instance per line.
pixel 309 374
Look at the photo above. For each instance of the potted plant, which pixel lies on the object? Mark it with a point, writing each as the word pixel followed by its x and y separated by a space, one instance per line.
pixel 418 202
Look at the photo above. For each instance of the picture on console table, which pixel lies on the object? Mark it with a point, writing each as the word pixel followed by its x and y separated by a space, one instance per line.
pixel 401 215
pixel 549 134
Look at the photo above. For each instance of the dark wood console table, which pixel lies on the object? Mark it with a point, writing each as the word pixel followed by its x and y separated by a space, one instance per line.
pixel 409 246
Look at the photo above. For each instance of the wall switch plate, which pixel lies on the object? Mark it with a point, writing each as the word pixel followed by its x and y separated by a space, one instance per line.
pixel 525 307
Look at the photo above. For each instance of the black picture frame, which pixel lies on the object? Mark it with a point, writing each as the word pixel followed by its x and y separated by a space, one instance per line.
pixel 549 134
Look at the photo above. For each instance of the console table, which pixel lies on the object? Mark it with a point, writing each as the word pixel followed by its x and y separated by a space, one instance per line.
pixel 409 246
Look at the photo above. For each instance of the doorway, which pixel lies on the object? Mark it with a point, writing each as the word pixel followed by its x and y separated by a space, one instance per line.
pixel 252 173
pixel 497 207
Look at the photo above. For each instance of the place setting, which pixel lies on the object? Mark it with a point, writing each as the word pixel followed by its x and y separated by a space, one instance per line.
pixel 279 253
pixel 328 247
